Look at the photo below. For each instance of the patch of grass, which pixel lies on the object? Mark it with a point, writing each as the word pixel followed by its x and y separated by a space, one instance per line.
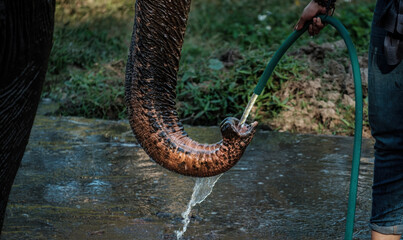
pixel 227 46
pixel 357 18
pixel 93 93
pixel 90 38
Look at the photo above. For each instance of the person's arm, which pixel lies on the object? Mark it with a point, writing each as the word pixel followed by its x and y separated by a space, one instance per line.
pixel 315 7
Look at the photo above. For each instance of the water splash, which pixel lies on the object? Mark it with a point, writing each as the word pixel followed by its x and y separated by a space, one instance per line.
pixel 203 187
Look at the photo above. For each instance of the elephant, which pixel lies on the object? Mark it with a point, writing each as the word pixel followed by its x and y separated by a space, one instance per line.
pixel 26 31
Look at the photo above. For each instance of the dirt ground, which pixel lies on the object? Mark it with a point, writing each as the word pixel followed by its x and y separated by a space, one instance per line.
pixel 323 100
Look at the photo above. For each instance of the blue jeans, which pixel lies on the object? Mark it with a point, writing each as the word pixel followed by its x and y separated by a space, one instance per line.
pixel 385 92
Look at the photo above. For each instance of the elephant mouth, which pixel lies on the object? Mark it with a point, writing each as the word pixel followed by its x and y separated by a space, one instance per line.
pixel 241 130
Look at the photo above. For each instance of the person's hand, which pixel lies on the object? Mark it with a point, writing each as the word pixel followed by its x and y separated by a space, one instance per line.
pixel 309 13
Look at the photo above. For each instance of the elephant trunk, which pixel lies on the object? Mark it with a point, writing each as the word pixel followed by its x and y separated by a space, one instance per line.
pixel 153 63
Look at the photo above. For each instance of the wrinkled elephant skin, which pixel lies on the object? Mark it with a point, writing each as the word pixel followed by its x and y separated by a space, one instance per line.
pixel 26 31
pixel 159 28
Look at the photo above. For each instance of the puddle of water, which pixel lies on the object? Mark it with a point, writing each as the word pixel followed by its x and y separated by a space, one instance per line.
pixel 203 187
pixel 89 179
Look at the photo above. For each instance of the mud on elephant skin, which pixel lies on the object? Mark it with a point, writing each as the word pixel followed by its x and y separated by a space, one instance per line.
pixel 151 75
pixel 26 31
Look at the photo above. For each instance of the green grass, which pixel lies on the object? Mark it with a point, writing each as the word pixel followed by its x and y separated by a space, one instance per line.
pixel 86 66
pixel 91 39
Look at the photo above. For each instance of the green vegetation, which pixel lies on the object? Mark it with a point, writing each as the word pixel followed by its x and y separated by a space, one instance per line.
pixel 87 63
pixel 227 46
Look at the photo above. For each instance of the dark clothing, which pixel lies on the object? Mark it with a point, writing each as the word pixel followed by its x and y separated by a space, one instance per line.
pixel 386 119
pixel 392 21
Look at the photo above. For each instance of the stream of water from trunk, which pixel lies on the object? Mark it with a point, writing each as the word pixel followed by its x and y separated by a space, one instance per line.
pixel 203 187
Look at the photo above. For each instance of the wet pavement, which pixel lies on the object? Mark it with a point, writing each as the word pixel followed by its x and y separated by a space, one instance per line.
pixel 89 179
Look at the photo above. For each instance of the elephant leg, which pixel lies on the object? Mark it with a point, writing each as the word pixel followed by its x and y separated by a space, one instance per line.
pixel 26 31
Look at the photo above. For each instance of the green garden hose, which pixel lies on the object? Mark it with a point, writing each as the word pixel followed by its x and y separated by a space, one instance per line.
pixel 358 106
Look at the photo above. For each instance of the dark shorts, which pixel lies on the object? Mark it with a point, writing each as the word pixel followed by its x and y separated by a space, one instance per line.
pixel 386 120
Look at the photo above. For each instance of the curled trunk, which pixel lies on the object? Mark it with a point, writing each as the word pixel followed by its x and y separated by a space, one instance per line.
pixel 151 73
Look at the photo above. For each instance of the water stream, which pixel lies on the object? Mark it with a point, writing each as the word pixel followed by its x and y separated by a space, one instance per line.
pixel 203 187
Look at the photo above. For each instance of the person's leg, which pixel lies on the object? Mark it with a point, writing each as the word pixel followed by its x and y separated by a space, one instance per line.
pixel 379 236
pixel 386 119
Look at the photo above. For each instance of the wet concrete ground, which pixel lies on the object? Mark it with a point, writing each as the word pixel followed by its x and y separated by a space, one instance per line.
pixel 89 179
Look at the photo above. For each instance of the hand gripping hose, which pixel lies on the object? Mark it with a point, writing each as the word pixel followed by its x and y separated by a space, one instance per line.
pixel 358 106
